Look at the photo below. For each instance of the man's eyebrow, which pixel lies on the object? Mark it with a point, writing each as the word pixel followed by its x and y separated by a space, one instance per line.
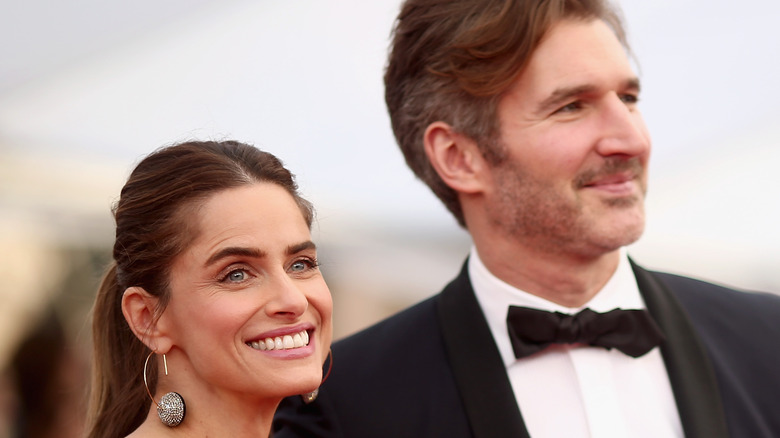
pixel 561 95
pixel 234 251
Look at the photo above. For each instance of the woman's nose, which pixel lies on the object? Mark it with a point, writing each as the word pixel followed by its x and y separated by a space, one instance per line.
pixel 287 298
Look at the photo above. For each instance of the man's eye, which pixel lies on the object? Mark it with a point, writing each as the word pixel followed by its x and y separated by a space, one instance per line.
pixel 629 98
pixel 574 106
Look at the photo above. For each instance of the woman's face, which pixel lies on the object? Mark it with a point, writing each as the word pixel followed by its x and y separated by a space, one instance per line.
pixel 249 311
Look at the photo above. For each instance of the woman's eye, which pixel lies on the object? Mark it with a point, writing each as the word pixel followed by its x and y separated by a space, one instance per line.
pixel 303 265
pixel 236 276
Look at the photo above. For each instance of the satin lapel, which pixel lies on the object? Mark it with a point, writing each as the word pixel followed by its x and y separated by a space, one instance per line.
pixel 476 363
pixel 692 377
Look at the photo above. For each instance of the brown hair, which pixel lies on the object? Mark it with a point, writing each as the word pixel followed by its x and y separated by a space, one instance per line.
pixel 153 226
pixel 451 61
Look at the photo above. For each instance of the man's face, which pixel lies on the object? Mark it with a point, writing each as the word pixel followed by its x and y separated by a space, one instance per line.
pixel 575 174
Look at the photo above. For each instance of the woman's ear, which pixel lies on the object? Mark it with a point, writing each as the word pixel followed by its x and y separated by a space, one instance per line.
pixel 139 308
pixel 455 157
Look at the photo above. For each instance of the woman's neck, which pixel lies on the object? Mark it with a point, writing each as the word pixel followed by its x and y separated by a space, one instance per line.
pixel 213 419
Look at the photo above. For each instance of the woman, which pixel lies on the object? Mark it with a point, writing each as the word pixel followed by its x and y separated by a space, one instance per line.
pixel 214 308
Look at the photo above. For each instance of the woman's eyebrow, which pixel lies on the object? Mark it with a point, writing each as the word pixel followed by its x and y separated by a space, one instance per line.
pixel 303 246
pixel 234 251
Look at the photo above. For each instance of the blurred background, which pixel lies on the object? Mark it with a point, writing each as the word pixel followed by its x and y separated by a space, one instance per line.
pixel 88 87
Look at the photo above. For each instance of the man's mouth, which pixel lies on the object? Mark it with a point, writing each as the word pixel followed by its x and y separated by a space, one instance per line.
pixel 613 173
pixel 608 180
pixel 286 342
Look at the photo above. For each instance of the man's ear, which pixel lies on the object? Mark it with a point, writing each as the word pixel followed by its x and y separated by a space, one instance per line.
pixel 139 308
pixel 455 157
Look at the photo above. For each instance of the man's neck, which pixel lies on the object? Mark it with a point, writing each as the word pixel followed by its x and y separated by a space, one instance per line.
pixel 564 279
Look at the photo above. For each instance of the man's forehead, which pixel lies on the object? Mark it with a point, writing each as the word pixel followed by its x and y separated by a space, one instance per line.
pixel 573 50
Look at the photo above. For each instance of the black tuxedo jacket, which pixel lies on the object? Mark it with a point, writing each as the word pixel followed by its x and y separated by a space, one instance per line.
pixel 433 370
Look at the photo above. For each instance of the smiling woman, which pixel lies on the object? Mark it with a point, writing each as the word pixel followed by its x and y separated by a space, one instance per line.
pixel 215 273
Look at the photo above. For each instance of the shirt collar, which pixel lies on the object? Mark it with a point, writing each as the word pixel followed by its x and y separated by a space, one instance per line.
pixel 495 296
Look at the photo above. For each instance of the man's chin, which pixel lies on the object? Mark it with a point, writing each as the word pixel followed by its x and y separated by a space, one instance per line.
pixel 619 233
pixel 627 236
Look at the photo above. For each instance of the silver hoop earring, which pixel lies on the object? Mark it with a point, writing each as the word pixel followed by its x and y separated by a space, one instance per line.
pixel 311 396
pixel 171 408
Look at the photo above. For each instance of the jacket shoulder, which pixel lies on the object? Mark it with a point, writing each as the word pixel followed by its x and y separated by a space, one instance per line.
pixel 391 379
pixel 710 302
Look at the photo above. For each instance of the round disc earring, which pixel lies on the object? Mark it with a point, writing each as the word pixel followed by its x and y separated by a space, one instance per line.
pixel 309 397
pixel 171 408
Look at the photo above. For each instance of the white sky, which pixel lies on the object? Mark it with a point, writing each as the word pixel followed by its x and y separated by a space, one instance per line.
pixel 91 86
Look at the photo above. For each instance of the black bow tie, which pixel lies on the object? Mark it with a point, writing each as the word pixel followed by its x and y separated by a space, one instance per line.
pixel 631 331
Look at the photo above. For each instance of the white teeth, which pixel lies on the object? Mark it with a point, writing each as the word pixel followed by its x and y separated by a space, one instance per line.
pixel 285 342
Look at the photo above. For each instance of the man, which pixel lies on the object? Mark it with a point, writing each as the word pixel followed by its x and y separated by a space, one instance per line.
pixel 522 118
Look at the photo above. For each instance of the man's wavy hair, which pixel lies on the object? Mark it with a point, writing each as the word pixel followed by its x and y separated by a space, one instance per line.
pixel 452 60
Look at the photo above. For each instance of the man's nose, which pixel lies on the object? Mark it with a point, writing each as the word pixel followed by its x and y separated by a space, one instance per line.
pixel 623 129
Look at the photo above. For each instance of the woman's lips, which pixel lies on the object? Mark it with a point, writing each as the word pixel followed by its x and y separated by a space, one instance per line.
pixel 281 342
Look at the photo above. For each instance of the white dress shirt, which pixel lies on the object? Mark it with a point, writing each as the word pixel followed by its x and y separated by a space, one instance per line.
pixel 581 391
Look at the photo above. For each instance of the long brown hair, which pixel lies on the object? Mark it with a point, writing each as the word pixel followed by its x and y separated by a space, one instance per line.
pixel 153 225
pixel 451 61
